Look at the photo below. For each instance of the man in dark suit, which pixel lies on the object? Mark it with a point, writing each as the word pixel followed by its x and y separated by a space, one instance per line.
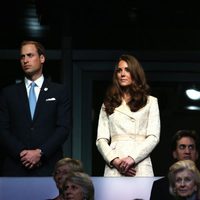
pixel 33 145
pixel 185 144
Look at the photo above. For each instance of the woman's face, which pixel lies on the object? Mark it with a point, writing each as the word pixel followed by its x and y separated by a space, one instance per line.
pixel 184 183
pixel 60 174
pixel 123 74
pixel 72 191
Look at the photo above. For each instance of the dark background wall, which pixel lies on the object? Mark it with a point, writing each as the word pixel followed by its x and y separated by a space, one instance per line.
pixel 84 39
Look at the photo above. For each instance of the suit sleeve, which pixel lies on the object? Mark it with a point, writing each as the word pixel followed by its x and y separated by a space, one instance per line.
pixel 9 142
pixel 62 125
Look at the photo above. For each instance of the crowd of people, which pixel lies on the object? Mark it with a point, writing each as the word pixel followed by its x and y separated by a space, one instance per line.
pixel 184 146
pixel 71 180
pixel 128 131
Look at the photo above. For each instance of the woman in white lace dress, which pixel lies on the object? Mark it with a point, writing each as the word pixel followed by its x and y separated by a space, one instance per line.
pixel 129 122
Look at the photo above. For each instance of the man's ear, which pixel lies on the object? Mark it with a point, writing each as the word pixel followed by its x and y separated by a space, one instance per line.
pixel 174 155
pixel 197 155
pixel 42 59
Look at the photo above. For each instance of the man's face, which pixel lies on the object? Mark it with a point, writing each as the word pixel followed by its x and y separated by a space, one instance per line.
pixel 31 61
pixel 186 149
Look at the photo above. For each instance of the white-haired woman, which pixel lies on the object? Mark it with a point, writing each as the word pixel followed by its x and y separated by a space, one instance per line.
pixel 78 186
pixel 184 178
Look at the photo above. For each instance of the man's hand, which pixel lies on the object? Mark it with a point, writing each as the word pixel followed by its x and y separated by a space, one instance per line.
pixel 30 158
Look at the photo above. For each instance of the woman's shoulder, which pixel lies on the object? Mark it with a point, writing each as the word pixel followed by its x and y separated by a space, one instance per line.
pixel 152 98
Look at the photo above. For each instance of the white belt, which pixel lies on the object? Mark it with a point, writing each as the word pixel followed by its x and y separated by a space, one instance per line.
pixel 125 137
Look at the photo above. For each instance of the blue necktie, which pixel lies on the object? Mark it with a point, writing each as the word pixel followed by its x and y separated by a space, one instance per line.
pixel 32 98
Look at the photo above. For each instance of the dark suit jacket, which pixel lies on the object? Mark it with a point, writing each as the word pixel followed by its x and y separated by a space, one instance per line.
pixel 47 131
pixel 160 190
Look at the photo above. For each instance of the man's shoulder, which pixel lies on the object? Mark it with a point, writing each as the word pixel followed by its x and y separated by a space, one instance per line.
pixel 160 190
pixel 162 181
pixel 11 87
pixel 50 83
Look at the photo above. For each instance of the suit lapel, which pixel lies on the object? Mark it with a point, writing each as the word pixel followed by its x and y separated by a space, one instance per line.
pixel 42 96
pixel 123 108
pixel 24 99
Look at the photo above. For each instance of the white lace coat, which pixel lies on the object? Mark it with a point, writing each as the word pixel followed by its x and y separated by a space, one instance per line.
pixel 125 133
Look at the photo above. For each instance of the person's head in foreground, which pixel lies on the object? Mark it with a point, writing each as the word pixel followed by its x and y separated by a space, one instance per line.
pixel 63 167
pixel 184 179
pixel 78 186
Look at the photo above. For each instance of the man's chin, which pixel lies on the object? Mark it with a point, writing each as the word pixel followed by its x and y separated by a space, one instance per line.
pixel 187 158
pixel 28 73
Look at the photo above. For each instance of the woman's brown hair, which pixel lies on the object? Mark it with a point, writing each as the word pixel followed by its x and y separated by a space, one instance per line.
pixel 138 90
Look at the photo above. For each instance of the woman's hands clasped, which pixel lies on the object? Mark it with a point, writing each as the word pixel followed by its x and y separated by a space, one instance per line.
pixel 125 166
